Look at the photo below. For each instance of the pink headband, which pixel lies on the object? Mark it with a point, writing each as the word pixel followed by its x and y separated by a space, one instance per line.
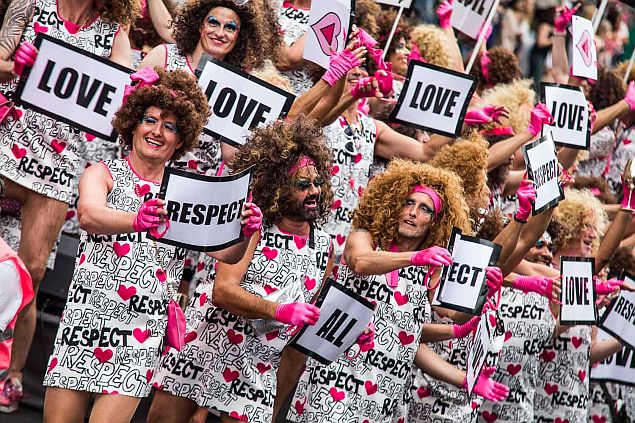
pixel 501 130
pixel 436 200
pixel 485 62
pixel 303 161
pixel 595 191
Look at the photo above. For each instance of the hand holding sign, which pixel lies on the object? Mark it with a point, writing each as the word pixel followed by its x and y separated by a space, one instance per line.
pixel 25 57
pixel 578 291
pixel 539 284
pixel 488 388
pixel 150 215
pixel 461 331
pixel 628 185
pixel 526 195
pixel 444 13
pixel 539 116
pixel 342 62
pixel 366 340
pixel 433 256
pixel 252 219
pixel 607 287
pixel 494 279
pixel 297 314
pixel 563 18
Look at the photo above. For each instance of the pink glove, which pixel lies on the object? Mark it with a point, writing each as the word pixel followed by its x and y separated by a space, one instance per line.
pixel 444 12
pixel 495 113
pixel 297 314
pixel 384 82
pixel 563 18
pixel 476 117
pixel 630 95
pixel 365 39
pixel 25 56
pixel 433 256
pixel 526 195
pixel 339 65
pixel 415 54
pixel 539 284
pixel 148 216
pixel 608 287
pixel 366 340
pixel 487 388
pixel 254 222
pixel 539 116
pixel 360 91
pixel 494 279
pixel 461 331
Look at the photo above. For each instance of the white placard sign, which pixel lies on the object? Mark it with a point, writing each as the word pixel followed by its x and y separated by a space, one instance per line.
pixel 584 52
pixel 343 317
pixel 468 16
pixel 619 368
pixel 480 348
pixel 619 317
pixel 239 102
pixel 406 4
pixel 578 291
pixel 462 285
pixel 434 99
pixel 570 112
pixel 74 86
pixel 204 211
pixel 542 168
pixel 329 26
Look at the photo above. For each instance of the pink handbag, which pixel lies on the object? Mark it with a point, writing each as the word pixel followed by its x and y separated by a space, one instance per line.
pixel 175 329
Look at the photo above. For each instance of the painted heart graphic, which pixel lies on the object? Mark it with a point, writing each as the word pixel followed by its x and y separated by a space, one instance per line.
pixel 551 389
pixel 337 395
pixel 89 137
pixel 141 335
pixel 326 31
pixel 559 420
pixel 423 392
pixel 82 259
pixel 582 374
pixel 58 146
pixel 489 417
pixel 262 367
pixel 357 158
pixel 370 387
pixel 270 253
pixel 126 292
pixel 40 28
pixel 202 299
pixel 340 239
pixel 576 341
pixel 513 369
pixel 299 407
pixel 336 204
pixel 241 417
pixel 547 356
pixel 102 355
pixel 334 170
pixel 200 266
pixel 230 375
pixel 309 283
pixel 270 289
pixel 157 386
pixel 18 152
pixel 52 364
pixel 508 335
pixel 141 190
pixel 70 214
pixel 149 375
pixel 190 336
pixel 161 275
pixel 400 298
pixel 272 335
pixel 121 249
pixel 71 27
pixel 598 419
pixel 192 164
pixel 235 337
pixel 406 339
pixel 299 242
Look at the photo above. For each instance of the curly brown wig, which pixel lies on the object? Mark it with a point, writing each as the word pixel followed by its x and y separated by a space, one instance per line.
pixel 467 158
pixel 503 69
pixel 121 11
pixel 176 92
pixel 622 260
pixel 272 150
pixel 489 224
pixel 608 89
pixel 380 207
pixel 385 20
pixel 254 38
pixel 620 70
pixel 366 12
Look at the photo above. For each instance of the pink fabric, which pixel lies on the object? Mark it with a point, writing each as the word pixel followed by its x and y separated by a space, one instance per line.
pixel 24 57
pixel 485 62
pixel 526 194
pixel 147 217
pixel 297 314
pixel 488 388
pixel 6 253
pixel 254 223
pixel 339 65
pixel 303 161
pixel 630 95
pixel 501 130
pixel 461 331
pixel 144 77
pixel 436 200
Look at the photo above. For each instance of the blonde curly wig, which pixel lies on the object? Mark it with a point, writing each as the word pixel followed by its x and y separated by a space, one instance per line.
pixel 578 209
pixel 432 44
pixel 380 207
pixel 518 97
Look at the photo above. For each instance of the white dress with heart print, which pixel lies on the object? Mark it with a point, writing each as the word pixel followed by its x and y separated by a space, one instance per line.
pixel 39 152
pixel 225 365
pixel 110 335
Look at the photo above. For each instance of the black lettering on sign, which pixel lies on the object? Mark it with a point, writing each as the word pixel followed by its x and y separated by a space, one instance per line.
pixel 568 115
pixel 545 173
pixel 476 5
pixel 462 273
pixel 576 293
pixel 65 86
pixel 441 100
pixel 625 308
pixel 477 354
pixel 244 108
pixel 332 326
pixel 202 214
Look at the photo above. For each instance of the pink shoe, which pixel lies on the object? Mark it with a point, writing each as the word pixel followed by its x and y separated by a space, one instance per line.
pixel 11 395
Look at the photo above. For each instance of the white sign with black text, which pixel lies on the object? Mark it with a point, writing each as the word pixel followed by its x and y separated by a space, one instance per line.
pixel 619 368
pixel 578 291
pixel 463 285
pixel 570 112
pixel 239 102
pixel 619 317
pixel 542 168
pixel 73 86
pixel 204 211
pixel 584 52
pixel 329 25
pixel 480 348
pixel 343 317
pixel 468 16
pixel 434 99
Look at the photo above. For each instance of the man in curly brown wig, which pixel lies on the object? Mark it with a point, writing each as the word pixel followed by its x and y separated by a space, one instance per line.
pixel 237 339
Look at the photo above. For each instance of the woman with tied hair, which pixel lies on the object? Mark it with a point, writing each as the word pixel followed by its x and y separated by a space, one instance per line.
pixel 111 335
pixel 29 137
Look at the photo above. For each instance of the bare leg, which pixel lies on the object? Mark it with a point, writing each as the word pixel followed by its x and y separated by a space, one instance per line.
pixel 113 408
pixel 291 367
pixel 42 219
pixel 200 415
pixel 168 408
pixel 65 405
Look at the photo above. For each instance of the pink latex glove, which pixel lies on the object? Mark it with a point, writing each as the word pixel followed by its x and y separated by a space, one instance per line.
pixel 526 195
pixel 254 222
pixel 539 284
pixel 415 54
pixel 539 116
pixel 365 39
pixel 444 12
pixel 630 95
pixel 433 256
pixel 339 65
pixel 25 56
pixel 384 80
pixel 494 279
pixel 495 112
pixel 297 314
pixel 360 89
pixel 461 331
pixel 366 340
pixel 488 388
pixel 148 215
pixel 563 18
pixel 476 117
pixel 607 287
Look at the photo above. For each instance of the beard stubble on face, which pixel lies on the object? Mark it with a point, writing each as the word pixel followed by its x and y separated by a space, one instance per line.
pixel 298 212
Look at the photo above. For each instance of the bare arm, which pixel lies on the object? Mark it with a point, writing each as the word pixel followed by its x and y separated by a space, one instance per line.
pixel 290 57
pixel 307 101
pixel 500 152
pixel 156 57
pixel 608 115
pixel 603 349
pixel 161 20
pixel 436 332
pixel 360 256
pixel 612 238
pixel 391 143
pixel 508 239
pixel 121 53
pixel 18 15
pixel 432 364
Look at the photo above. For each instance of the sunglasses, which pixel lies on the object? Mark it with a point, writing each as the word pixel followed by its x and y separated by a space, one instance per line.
pixel 305 184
